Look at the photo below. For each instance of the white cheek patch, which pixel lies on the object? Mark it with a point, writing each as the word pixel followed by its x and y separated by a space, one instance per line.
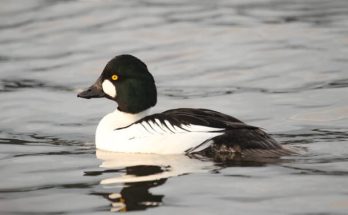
pixel 109 88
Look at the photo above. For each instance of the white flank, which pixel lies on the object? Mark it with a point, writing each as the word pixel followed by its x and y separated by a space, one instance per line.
pixel 114 120
pixel 149 137
pixel 109 88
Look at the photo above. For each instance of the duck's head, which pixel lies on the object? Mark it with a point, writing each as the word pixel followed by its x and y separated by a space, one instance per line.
pixel 127 81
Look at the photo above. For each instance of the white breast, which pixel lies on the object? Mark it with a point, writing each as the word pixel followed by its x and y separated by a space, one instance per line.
pixel 149 137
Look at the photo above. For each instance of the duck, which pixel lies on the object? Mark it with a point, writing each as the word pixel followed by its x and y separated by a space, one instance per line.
pixel 132 128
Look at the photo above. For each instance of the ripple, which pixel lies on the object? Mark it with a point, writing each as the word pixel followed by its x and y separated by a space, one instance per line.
pixel 10 85
pixel 314 135
pixel 278 64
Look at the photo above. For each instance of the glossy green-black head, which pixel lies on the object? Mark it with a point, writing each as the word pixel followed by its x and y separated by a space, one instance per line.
pixel 127 81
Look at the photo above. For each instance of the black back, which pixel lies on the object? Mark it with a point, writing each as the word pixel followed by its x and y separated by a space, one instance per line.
pixel 237 136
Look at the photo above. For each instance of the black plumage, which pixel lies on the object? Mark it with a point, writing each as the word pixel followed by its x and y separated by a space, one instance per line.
pixel 237 137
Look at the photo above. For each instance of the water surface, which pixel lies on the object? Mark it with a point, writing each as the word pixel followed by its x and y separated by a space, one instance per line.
pixel 280 65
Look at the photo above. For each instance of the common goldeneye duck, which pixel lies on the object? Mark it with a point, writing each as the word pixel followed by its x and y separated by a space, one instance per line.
pixel 130 128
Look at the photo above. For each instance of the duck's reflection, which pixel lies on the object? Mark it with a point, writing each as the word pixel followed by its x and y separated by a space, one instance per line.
pixel 134 174
pixel 136 195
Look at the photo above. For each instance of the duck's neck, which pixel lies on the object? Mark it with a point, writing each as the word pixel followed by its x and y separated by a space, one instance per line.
pixel 119 119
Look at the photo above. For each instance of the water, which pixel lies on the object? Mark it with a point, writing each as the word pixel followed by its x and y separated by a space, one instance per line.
pixel 281 65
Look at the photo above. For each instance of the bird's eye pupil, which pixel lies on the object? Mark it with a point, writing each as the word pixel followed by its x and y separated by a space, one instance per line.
pixel 114 77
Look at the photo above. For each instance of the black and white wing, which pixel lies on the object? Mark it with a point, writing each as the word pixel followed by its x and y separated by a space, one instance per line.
pixel 162 134
pixel 196 130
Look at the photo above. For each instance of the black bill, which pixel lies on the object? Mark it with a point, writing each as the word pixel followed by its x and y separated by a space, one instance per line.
pixel 94 91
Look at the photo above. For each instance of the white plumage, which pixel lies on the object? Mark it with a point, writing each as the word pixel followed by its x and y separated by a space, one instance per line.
pixel 149 136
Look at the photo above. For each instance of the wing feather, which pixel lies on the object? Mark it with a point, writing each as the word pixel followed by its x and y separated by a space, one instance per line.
pixel 232 134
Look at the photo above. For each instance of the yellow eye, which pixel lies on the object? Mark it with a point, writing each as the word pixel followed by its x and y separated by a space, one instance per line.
pixel 114 77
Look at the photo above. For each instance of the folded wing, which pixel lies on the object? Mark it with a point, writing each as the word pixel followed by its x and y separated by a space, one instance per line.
pixel 202 131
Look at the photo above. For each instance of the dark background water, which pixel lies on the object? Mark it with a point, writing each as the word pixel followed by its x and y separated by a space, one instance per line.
pixel 281 65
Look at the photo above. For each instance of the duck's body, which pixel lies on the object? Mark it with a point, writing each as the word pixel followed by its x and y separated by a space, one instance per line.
pixel 152 134
pixel 131 127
